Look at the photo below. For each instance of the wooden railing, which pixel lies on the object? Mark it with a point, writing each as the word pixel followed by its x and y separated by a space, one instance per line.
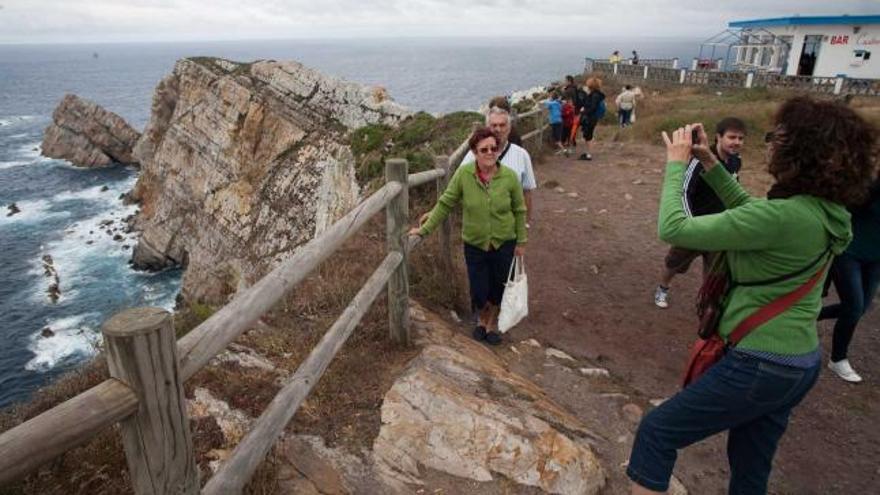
pixel 734 79
pixel 148 367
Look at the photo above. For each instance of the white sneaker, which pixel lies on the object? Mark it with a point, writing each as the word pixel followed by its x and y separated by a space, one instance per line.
pixel 661 297
pixel 844 370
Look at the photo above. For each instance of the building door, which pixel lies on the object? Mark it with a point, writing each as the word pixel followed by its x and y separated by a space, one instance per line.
pixel 809 54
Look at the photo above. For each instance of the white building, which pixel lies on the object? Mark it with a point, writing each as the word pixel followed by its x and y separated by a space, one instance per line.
pixel 809 46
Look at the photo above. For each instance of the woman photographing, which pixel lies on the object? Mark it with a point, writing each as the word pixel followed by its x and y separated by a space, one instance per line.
pixel 822 157
pixel 493 226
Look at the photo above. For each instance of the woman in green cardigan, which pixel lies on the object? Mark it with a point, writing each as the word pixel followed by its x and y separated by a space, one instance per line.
pixel 822 157
pixel 493 226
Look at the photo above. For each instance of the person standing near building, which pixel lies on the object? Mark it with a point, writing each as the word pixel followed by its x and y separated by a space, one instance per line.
pixel 699 199
pixel 626 103
pixel 635 58
pixel 615 57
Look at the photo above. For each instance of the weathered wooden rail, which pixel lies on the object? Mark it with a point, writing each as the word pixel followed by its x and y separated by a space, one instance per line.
pixel 148 367
pixel 733 79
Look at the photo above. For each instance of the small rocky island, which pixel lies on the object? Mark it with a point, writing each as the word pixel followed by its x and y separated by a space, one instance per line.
pixel 86 135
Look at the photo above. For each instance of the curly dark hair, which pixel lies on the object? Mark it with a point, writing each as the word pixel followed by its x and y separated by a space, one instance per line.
pixel 823 148
pixel 479 135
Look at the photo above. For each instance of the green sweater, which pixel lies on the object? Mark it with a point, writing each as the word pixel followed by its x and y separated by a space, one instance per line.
pixel 491 215
pixel 763 238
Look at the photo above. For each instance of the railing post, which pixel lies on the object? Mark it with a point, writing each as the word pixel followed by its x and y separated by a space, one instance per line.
pixel 646 72
pixel 142 353
pixel 694 63
pixel 750 79
pixel 615 68
pixel 445 230
pixel 397 217
pixel 838 85
pixel 682 76
pixel 675 63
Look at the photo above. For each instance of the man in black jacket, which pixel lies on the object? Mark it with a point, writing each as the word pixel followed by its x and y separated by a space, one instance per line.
pixel 700 199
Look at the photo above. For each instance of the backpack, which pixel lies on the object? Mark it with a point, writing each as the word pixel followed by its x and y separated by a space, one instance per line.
pixel 600 110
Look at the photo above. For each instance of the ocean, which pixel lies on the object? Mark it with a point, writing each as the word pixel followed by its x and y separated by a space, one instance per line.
pixel 74 215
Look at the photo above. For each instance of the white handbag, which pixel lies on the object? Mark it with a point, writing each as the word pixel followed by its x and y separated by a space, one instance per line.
pixel 515 302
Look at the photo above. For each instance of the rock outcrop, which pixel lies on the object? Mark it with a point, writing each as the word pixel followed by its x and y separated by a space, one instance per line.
pixel 241 163
pixel 87 135
pixel 458 409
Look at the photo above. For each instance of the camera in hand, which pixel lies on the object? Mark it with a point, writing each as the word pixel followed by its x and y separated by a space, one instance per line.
pixel 695 136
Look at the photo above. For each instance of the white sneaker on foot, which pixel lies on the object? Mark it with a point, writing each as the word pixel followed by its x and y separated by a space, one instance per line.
pixel 661 297
pixel 844 370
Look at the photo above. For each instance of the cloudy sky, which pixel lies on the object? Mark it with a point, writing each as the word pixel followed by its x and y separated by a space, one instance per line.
pixel 39 21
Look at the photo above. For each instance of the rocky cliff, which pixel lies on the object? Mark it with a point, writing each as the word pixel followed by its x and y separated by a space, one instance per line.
pixel 87 135
pixel 241 163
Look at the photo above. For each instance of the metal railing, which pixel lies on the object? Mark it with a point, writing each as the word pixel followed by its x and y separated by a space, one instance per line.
pixel 734 79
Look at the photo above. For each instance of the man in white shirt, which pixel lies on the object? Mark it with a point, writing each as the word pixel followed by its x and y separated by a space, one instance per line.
pixel 511 156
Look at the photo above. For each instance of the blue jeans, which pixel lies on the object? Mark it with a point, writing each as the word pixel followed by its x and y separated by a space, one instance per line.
pixel 749 397
pixel 856 283
pixel 625 116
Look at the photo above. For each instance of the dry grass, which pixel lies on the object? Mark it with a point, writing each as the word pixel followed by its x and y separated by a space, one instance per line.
pixel 344 406
pixel 666 107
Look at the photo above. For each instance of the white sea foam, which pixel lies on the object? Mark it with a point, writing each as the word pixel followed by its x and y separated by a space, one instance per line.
pixel 72 339
pixel 15 120
pixel 84 244
pixel 32 211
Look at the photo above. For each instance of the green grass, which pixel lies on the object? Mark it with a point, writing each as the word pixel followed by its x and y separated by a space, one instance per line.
pixel 418 139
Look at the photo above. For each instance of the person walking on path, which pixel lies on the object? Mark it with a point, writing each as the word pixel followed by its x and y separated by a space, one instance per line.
pixel 783 240
pixel 510 155
pixel 493 226
pixel 554 116
pixel 626 103
pixel 856 276
pixel 699 199
pixel 591 110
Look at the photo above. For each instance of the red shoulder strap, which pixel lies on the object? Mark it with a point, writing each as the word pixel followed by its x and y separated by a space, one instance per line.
pixel 773 309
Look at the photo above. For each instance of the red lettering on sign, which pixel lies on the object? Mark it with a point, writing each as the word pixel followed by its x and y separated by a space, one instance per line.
pixel 840 40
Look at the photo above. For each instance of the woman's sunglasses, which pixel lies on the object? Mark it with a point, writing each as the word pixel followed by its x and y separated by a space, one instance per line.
pixel 487 150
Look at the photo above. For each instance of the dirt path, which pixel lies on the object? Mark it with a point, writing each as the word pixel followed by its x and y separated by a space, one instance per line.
pixel 593 263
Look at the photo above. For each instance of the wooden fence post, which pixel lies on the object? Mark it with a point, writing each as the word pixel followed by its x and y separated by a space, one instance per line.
pixel 445 230
pixel 682 76
pixel 646 73
pixel 142 353
pixel 750 79
pixel 397 219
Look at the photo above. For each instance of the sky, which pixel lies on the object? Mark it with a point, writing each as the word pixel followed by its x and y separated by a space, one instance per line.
pixel 86 21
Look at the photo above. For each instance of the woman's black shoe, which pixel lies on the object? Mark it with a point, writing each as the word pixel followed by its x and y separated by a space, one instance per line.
pixel 480 333
pixel 493 338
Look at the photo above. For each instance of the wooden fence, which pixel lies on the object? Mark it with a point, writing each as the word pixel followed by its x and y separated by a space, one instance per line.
pixel 148 367
pixel 734 79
